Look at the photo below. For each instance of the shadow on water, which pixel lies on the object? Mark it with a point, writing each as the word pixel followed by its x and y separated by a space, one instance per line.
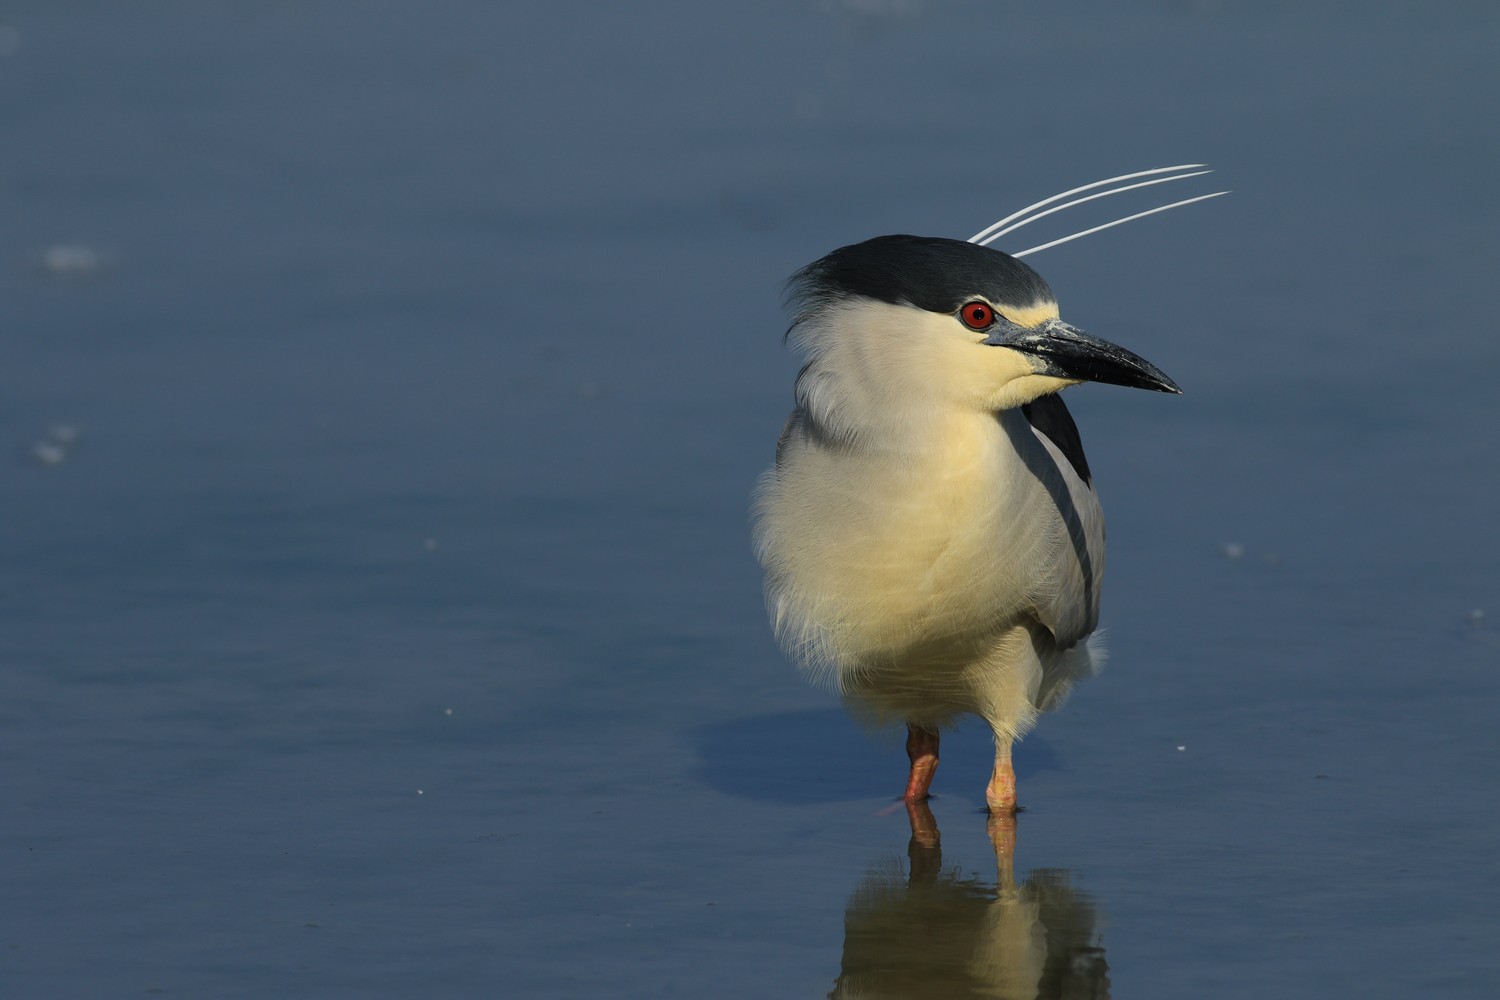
pixel 937 933
pixel 821 755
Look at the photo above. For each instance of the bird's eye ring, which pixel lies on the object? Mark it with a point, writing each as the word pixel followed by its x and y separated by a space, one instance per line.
pixel 977 315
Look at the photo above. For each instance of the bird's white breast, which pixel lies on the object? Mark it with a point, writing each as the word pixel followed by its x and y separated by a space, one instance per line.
pixel 932 551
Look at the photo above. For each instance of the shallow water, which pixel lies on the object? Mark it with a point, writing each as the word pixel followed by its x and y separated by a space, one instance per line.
pixel 384 391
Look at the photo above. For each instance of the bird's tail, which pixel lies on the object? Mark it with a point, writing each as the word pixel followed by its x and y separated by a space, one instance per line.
pixel 1084 660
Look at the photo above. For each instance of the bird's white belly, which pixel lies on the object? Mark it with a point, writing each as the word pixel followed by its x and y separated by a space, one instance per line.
pixel 879 566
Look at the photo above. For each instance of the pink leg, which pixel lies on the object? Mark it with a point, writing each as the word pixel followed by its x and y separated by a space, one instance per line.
pixel 1001 794
pixel 922 748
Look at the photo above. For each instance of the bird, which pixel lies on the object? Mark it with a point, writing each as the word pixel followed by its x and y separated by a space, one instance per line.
pixel 931 539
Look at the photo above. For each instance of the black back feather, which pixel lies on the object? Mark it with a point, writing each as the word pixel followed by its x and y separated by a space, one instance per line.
pixel 1050 416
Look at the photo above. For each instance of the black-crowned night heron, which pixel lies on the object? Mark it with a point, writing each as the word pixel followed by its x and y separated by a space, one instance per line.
pixel 930 534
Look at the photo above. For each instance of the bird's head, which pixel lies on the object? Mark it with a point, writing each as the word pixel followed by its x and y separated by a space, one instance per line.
pixel 911 322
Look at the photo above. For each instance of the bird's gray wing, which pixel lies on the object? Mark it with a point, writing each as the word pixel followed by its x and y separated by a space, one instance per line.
pixel 1068 601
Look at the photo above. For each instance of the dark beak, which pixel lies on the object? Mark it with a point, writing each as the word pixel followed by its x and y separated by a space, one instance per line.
pixel 1067 352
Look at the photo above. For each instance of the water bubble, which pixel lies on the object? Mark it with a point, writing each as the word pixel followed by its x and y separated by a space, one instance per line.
pixel 47 453
pixel 72 259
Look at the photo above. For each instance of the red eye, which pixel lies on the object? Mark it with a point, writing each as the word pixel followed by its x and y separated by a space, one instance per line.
pixel 977 315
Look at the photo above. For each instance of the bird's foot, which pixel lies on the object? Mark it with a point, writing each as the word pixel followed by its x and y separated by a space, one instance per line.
pixel 1001 793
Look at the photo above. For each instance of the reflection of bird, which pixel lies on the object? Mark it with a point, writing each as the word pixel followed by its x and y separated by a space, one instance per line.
pixel 936 934
pixel 929 532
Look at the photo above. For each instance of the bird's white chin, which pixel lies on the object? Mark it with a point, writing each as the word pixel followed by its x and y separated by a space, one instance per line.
pixel 1022 390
